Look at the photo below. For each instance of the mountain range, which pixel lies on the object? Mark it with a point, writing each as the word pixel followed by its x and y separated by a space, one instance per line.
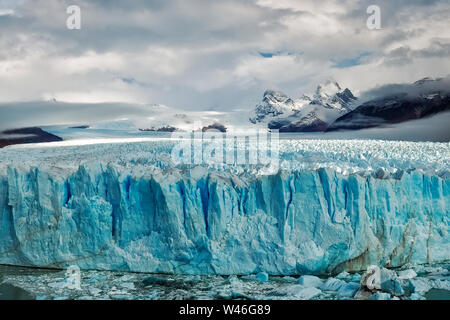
pixel 333 108
pixel 310 113
pixel 396 107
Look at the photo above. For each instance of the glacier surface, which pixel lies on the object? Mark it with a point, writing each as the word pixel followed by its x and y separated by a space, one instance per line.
pixel 333 206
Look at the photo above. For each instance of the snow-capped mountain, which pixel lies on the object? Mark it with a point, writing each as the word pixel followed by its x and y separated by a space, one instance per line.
pixel 423 98
pixel 330 95
pixel 306 114
pixel 329 108
pixel 274 104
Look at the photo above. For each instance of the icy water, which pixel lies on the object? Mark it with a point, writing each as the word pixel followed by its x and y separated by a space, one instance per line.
pixel 10 292
pixel 18 283
pixel 437 294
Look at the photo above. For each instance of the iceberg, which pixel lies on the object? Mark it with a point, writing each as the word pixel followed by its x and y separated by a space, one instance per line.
pixel 124 207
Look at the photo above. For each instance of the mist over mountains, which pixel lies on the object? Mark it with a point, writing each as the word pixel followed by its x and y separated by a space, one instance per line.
pixel 330 107
pixel 333 108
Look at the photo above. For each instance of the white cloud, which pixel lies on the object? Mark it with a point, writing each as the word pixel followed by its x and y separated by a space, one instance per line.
pixel 6 12
pixel 88 62
pixel 206 54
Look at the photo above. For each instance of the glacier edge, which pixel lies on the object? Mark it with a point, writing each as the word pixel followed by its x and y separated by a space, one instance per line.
pixel 294 222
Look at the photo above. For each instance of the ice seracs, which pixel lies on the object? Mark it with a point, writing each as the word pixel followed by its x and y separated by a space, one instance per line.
pixel 127 207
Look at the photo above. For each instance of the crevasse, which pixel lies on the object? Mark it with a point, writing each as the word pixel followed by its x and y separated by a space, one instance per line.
pixel 172 221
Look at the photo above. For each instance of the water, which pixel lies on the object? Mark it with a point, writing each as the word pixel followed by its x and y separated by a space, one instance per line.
pixel 10 292
pixel 18 283
pixel 437 294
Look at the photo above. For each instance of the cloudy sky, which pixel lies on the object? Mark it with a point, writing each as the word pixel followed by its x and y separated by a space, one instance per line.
pixel 211 55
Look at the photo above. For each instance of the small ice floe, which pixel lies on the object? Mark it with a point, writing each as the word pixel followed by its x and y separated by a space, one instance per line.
pixel 419 285
pixel 407 274
pixel 288 279
pixel 96 277
pixel 128 285
pixel 310 281
pixel 332 284
pixel 308 293
pixel 262 277
pixel 298 292
pixel 380 296
pixel 94 291
pixel 348 290
pixel 344 275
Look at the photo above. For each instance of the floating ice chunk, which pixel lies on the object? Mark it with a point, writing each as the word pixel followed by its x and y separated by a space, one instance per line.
pixel 390 283
pixel 407 274
pixel 419 285
pixel 128 285
pixel 58 285
pixel 121 296
pixel 442 283
pixel 126 277
pixel 348 289
pixel 194 277
pixel 262 277
pixel 308 293
pixel 94 291
pixel 299 292
pixel 240 295
pixel 416 296
pixel 235 283
pixel 310 281
pixel 288 279
pixel 355 277
pixel 344 275
pixel 96 277
pixel 380 296
pixel 332 284
pixel 154 280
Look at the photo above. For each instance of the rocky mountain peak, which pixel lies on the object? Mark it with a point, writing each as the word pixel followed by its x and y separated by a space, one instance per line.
pixel 326 104
pixel 327 89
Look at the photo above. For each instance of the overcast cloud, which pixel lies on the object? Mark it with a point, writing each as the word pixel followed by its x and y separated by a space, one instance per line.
pixel 211 55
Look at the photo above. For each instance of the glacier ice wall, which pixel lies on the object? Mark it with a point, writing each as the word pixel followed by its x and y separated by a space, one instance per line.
pixel 200 221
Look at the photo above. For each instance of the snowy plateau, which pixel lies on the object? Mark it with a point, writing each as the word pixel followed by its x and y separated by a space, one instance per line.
pixel 333 206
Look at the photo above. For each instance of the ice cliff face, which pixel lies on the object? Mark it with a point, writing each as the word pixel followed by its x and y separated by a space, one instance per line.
pixel 193 220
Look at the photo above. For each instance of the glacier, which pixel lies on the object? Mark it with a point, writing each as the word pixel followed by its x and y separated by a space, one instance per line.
pixel 334 205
